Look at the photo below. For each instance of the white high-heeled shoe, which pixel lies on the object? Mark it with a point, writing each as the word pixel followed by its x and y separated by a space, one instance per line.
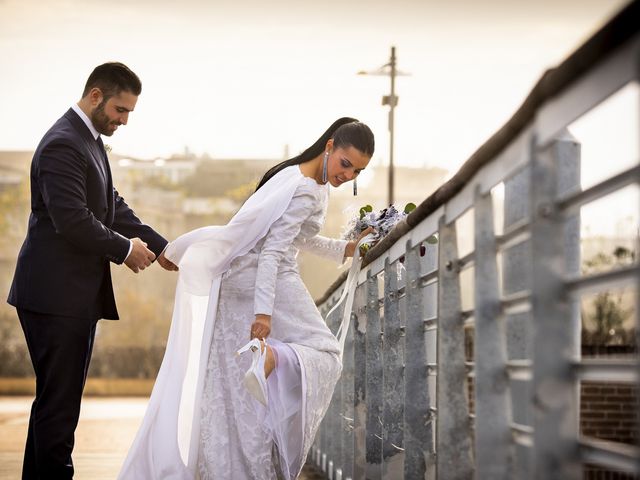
pixel 255 380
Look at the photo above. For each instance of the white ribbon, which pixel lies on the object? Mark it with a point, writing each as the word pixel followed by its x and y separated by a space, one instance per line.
pixel 348 293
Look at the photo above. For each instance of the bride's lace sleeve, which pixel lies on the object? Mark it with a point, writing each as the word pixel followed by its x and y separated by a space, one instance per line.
pixel 329 248
pixel 276 244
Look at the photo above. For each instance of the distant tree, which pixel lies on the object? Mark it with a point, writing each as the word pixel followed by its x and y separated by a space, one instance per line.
pixel 242 192
pixel 623 255
pixel 607 313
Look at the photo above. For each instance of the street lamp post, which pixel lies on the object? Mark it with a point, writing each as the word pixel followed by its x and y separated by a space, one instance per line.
pixel 391 100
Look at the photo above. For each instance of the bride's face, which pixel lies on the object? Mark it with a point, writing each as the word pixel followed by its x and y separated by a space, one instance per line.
pixel 345 164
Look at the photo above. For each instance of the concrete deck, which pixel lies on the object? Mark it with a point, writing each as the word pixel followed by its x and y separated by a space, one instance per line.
pixel 105 432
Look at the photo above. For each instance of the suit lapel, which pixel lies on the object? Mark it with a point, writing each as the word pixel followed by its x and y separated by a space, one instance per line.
pixel 98 158
pixel 90 143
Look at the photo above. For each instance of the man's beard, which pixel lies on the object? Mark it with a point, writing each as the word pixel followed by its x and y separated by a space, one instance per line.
pixel 100 120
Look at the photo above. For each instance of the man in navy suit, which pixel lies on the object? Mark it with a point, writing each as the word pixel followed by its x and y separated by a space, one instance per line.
pixel 62 284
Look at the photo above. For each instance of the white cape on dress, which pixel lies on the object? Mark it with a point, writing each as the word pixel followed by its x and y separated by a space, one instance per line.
pixel 166 445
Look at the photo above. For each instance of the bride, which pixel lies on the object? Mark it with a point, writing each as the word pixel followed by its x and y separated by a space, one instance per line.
pixel 212 413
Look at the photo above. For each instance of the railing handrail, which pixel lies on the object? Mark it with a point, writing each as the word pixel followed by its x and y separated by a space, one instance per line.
pixel 611 36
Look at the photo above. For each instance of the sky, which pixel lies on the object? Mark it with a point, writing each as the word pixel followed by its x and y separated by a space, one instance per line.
pixel 250 79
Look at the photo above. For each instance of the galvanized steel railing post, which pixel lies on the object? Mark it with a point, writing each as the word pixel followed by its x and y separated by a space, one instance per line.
pixel 493 447
pixel 360 382
pixel 554 387
pixel 566 151
pixel 454 456
pixel 418 423
pixel 348 399
pixel 393 377
pixel 333 442
pixel 516 279
pixel 338 425
pixel 373 382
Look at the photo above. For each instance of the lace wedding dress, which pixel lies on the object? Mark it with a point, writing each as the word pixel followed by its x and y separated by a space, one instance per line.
pixel 235 434
pixel 211 427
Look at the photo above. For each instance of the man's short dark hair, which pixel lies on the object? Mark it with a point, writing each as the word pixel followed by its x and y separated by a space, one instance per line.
pixel 113 78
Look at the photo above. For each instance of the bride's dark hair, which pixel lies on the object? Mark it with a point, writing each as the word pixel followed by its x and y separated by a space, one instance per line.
pixel 346 132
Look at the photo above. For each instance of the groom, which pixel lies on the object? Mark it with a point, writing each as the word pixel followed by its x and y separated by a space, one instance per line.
pixel 62 284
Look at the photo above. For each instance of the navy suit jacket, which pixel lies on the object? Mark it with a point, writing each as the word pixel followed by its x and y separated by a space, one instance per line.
pixel 78 224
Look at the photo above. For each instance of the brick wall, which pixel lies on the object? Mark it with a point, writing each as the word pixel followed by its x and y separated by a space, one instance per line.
pixel 609 411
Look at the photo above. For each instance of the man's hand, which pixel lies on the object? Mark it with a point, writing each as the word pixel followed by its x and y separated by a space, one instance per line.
pixel 140 256
pixel 167 264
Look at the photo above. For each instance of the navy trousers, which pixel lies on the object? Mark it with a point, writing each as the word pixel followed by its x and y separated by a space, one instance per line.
pixel 60 349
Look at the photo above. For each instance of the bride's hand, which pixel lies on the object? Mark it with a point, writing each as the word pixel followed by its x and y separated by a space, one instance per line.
pixel 261 328
pixel 351 246
pixel 166 263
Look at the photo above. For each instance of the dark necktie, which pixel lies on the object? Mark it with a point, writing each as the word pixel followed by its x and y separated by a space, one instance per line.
pixel 105 159
pixel 102 149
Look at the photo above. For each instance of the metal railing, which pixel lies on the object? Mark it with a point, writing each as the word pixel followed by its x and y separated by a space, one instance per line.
pixel 414 401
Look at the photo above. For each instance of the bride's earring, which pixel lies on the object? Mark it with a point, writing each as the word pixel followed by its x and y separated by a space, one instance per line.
pixel 324 167
pixel 355 187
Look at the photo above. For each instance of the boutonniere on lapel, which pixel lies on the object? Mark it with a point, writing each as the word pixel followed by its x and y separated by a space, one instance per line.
pixel 107 148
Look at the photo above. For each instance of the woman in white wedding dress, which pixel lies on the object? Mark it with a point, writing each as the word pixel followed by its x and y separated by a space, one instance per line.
pixel 238 282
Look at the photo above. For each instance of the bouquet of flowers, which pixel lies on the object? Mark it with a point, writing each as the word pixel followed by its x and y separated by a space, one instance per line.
pixel 382 223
